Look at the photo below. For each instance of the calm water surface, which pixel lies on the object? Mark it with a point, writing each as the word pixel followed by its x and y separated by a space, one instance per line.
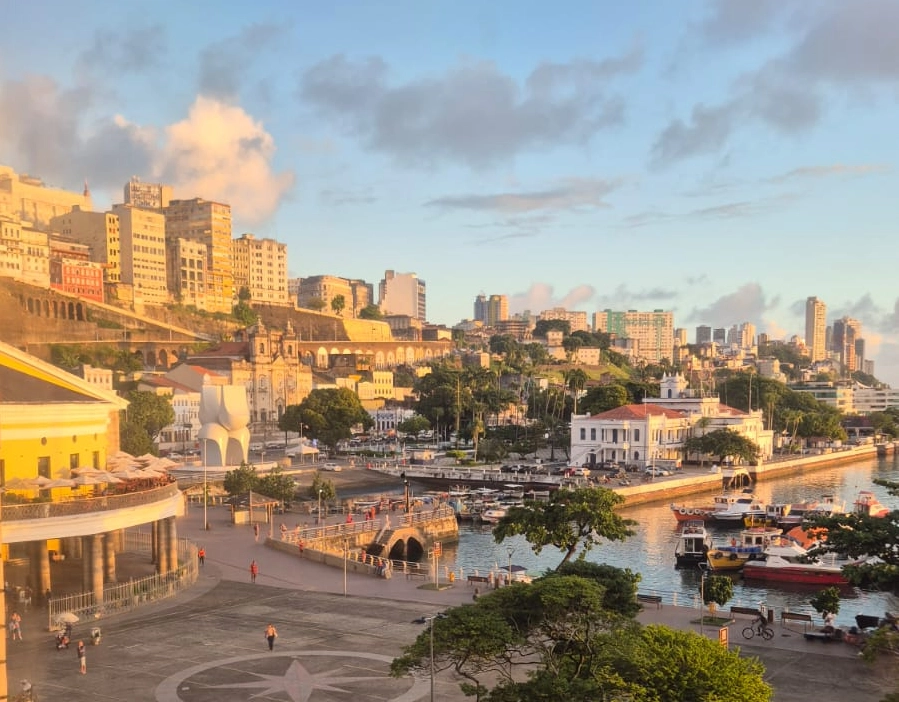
pixel 650 552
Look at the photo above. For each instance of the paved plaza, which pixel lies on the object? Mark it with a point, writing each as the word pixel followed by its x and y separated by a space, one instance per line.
pixel 208 643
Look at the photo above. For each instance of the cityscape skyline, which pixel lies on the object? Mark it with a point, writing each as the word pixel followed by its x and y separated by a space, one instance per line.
pixel 730 159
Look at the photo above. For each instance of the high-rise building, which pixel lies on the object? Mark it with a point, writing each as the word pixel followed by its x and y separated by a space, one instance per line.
pixel 260 266
pixel 186 271
pixel 680 336
pixel 10 247
pixel 72 271
pixel 28 199
pixel 741 336
pixel 816 328
pixel 703 334
pixel 363 295
pixel 150 196
pixel 846 334
pixel 100 231
pixel 208 223
pixel 403 294
pixel 498 310
pixel 577 320
pixel 480 308
pixel 719 336
pixel 653 331
pixel 35 257
pixel 142 234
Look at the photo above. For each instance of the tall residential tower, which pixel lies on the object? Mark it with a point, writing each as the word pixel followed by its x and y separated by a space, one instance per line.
pixel 816 329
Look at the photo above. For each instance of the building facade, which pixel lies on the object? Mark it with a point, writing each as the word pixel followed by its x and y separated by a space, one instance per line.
pixel 101 232
pixel 27 198
pixel 577 320
pixel 72 271
pixel 260 266
pixel 150 196
pixel 654 331
pixel 403 294
pixel 847 333
pixel 816 328
pixel 318 289
pixel 186 271
pixel 142 234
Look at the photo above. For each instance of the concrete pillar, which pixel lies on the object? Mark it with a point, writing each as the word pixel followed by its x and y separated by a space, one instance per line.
pixel 162 551
pixel 154 546
pixel 172 543
pixel 96 567
pixel 71 547
pixel 85 549
pixel 109 557
pixel 40 570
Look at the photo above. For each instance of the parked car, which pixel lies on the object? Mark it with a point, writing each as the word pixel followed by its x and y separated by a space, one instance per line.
pixel 657 472
pixel 257 447
pixel 333 467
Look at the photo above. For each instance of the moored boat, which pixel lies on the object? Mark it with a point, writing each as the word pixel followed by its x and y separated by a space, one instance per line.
pixel 750 546
pixel 867 504
pixel 693 544
pixel 785 561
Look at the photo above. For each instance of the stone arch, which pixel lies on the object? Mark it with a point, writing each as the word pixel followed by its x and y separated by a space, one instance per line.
pixel 307 358
pixel 163 358
pixel 321 357
pixel 290 350
pixel 379 360
pixel 71 311
pixel 410 355
pixel 30 305
pixel 46 308
pixel 391 359
pixel 79 312
pixel 56 309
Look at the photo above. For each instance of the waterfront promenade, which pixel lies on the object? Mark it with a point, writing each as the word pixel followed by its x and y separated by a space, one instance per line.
pixel 207 644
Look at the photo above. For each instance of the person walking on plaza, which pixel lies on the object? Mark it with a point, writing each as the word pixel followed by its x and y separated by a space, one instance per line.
pixel 15 627
pixel 271 633
pixel 82 657
pixel 254 571
pixel 201 555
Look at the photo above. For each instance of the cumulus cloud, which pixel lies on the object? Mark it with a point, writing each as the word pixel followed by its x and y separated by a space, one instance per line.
pixel 541 296
pixel 224 65
pixel 125 49
pixel 747 304
pixel 221 153
pixel 571 193
pixel 623 297
pixel 474 113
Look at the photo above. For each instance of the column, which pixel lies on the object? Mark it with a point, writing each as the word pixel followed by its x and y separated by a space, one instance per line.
pixel 109 550
pixel 40 570
pixel 96 567
pixel 160 546
pixel 86 557
pixel 172 542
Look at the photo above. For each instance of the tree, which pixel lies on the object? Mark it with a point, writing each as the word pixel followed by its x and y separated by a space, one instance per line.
pixel 276 485
pixel 338 303
pixel 146 416
pixel 544 325
pixel 331 413
pixel 723 443
pixel 619 586
pixel 568 520
pixel 371 312
pixel 826 601
pixel 316 304
pixel 603 398
pixel 414 425
pixel 320 483
pixel 241 480
pixel 718 589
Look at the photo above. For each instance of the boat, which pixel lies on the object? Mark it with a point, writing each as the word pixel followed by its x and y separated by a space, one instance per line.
pixel 787 515
pixel 492 515
pixel 867 505
pixel 693 544
pixel 750 546
pixel 721 508
pixel 785 561
pixel 731 508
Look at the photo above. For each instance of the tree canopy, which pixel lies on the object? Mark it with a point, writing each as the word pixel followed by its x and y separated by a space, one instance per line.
pixel 723 443
pixel 568 520
pixel 329 413
pixel 146 416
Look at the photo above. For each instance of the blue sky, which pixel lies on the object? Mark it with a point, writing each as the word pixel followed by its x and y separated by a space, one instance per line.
pixel 721 159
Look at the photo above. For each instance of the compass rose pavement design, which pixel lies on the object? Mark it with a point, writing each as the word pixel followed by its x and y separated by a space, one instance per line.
pixel 292 676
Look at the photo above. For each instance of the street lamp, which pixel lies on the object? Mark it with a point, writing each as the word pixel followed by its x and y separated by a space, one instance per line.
pixel 319 506
pixel 703 569
pixel 346 546
pixel 510 551
pixel 184 437
pixel 430 621
pixel 205 489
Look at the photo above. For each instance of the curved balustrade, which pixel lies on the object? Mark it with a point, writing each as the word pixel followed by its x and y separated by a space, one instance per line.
pixel 87 505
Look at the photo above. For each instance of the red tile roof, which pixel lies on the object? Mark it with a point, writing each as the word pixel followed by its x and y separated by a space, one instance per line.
pixel 638 411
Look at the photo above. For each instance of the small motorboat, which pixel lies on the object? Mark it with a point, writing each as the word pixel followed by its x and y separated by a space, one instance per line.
pixel 693 544
pixel 785 561
pixel 750 546
pixel 867 504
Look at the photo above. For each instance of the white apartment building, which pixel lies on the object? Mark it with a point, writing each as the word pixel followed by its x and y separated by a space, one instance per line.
pixel 867 400
pixel 577 320
pixel 150 196
pixel 653 331
pixel 10 247
pixel 260 265
pixel 35 257
pixel 403 294
pixel 816 328
pixel 186 271
pixel 142 235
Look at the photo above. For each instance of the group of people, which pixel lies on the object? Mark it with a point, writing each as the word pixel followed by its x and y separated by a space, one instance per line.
pixel 15 627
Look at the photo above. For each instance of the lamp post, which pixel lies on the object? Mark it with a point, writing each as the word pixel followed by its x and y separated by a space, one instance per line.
pixel 346 546
pixel 430 621
pixel 510 551
pixel 184 437
pixel 319 506
pixel 702 573
pixel 205 490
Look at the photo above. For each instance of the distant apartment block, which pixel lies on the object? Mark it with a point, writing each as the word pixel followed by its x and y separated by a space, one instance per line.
pixel 403 294
pixel 151 196
pixel 72 271
pixel 742 336
pixel 816 328
pixel 846 333
pixel 208 223
pixel 321 290
pixel 143 253
pixel 576 319
pixel 491 310
pixel 719 336
pixel 653 331
pixel 28 199
pixel 35 257
pixel 680 336
pixel 10 247
pixel 703 334
pixel 867 400
pixel 99 231
pixel 260 266
pixel 186 271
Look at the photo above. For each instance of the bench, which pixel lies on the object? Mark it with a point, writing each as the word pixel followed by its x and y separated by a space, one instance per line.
pixel 650 599
pixel 751 611
pixel 477 579
pixel 806 619
pixel 416 574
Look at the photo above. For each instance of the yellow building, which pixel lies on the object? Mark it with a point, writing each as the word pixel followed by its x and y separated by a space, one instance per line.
pixel 260 266
pixel 143 253
pixel 100 231
pixel 27 198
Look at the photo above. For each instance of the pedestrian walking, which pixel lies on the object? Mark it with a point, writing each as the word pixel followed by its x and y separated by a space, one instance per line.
pixel 283 531
pixel 254 571
pixel 256 531
pixel 271 633
pixel 201 555
pixel 82 657
pixel 15 627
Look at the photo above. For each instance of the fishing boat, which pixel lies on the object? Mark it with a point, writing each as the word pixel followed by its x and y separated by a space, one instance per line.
pixel 787 515
pixel 492 515
pixel 693 544
pixel 728 506
pixel 867 504
pixel 785 561
pixel 750 546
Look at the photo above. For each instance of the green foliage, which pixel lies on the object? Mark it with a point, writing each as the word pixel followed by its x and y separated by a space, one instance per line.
pixel 723 442
pixel 150 411
pixel 338 304
pixel 241 480
pixel 134 439
pixel 320 483
pixel 545 325
pixel 403 377
pixel 276 485
pixel 620 586
pixel 371 312
pixel 316 303
pixel 330 414
pixel 718 589
pixel 826 601
pixel 414 425
pixel 569 520
pixel 244 314
pixel 603 398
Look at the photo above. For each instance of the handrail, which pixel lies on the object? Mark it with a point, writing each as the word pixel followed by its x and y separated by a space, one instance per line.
pixel 334 531
pixel 50 510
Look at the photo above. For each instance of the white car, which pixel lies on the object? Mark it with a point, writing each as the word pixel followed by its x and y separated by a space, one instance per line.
pixel 657 472
pixel 333 467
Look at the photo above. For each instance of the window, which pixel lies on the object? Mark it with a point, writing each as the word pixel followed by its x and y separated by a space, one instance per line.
pixel 96 460
pixel 583 434
pixel 592 434
pixel 74 458
pixel 636 434
pixel 43 466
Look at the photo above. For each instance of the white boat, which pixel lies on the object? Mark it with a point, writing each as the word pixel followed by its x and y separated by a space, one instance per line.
pixel 730 508
pixel 493 514
pixel 693 544
pixel 786 561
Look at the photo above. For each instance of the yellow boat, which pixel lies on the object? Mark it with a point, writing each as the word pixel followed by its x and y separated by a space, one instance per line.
pixel 751 546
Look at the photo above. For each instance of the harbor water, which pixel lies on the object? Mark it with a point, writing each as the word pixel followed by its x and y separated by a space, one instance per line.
pixel 650 552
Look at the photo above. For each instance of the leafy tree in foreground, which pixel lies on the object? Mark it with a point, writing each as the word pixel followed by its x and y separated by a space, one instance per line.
pixel 330 414
pixel 150 411
pixel 568 520
pixel 326 486
pixel 718 589
pixel 620 585
pixel 240 480
pixel 276 485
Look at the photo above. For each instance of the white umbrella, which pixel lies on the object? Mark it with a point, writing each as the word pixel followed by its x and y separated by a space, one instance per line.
pixel 129 474
pixel 61 482
pixel 87 470
pixel 67 618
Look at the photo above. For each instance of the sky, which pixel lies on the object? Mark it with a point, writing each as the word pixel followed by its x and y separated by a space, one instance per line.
pixel 721 159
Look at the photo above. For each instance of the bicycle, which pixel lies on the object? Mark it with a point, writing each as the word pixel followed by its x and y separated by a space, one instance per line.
pixel 759 628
